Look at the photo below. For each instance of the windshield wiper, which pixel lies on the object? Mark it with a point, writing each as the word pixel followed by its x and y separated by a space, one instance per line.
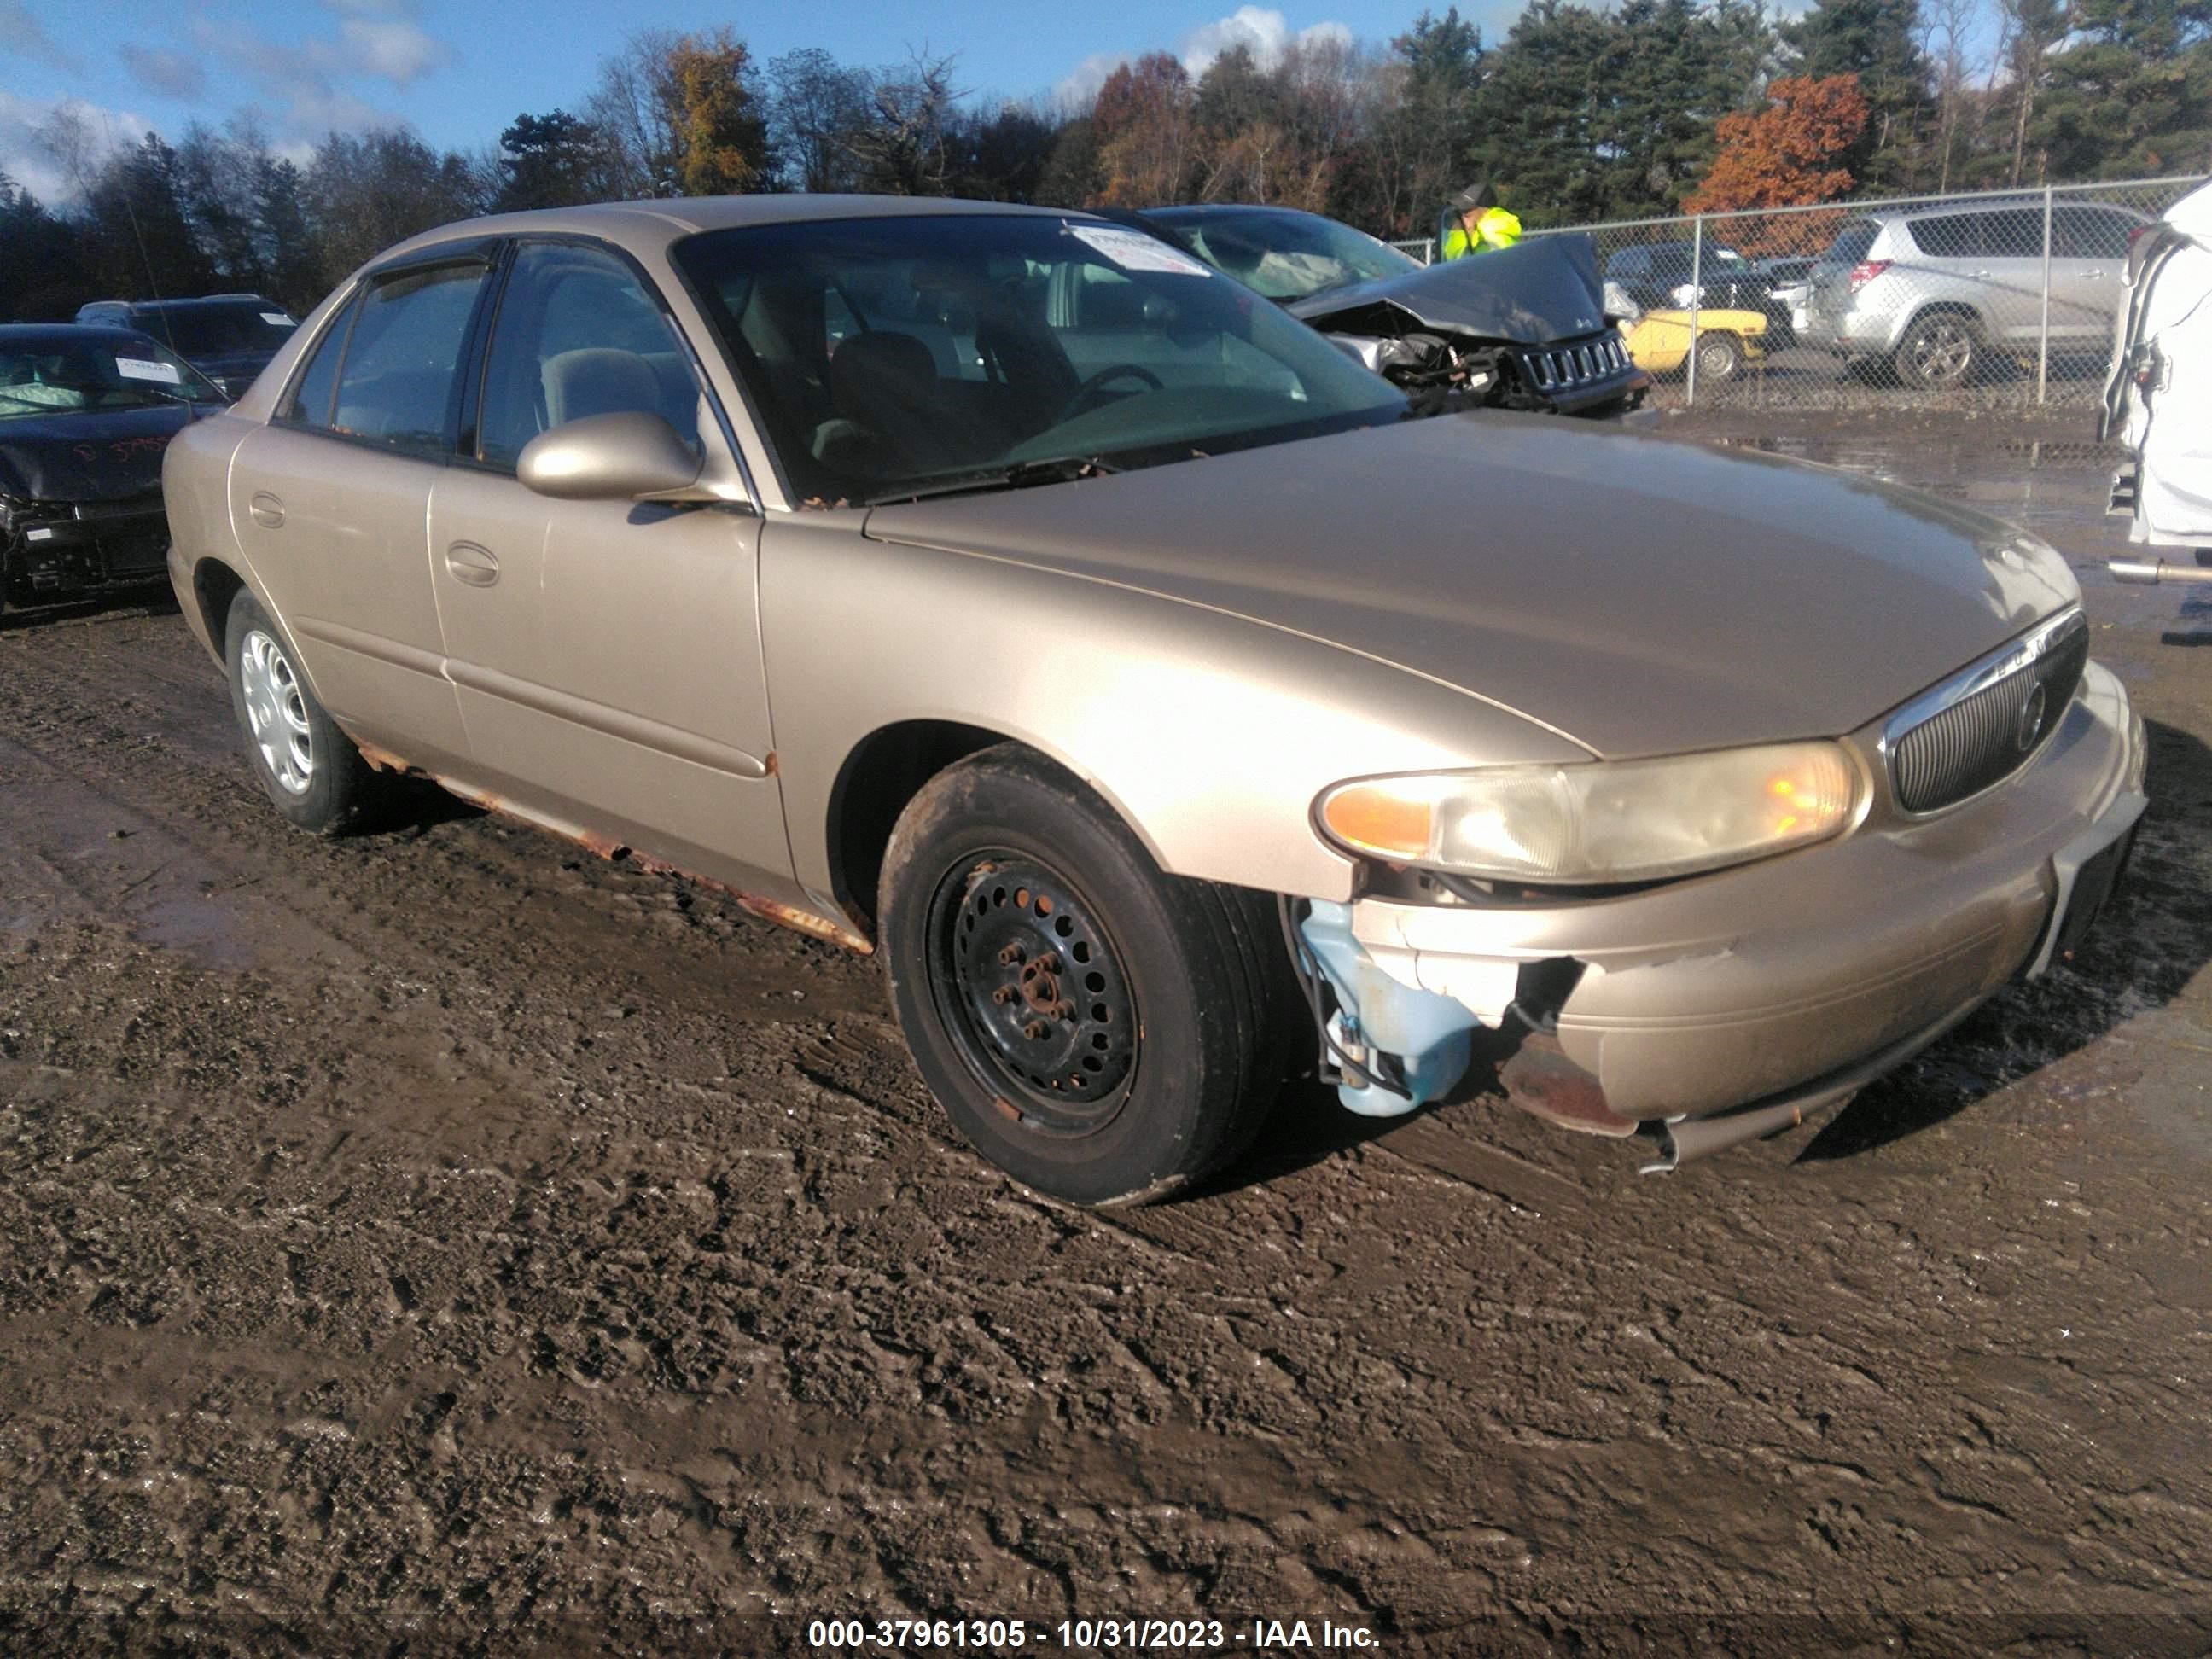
pixel 1061 469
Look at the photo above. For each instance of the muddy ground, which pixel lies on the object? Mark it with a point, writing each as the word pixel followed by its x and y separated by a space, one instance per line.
pixel 447 1240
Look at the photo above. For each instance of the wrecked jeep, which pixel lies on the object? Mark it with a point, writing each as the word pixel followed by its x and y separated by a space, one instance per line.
pixel 1523 327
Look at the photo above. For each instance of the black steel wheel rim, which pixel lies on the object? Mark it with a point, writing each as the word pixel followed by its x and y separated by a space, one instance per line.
pixel 1027 982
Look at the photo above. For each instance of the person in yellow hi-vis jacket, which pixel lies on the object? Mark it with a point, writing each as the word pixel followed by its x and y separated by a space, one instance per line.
pixel 1474 222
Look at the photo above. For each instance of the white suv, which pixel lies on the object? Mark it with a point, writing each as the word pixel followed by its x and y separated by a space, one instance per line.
pixel 1936 290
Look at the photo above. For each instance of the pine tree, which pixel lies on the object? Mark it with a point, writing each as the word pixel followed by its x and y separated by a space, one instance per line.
pixel 1878 41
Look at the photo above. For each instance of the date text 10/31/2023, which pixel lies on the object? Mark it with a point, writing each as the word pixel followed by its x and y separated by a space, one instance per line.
pixel 1087 1635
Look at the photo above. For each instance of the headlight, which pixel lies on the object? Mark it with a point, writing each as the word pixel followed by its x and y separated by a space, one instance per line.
pixel 1602 821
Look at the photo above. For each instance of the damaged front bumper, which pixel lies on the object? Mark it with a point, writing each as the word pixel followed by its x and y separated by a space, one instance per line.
pixel 57 549
pixel 1763 992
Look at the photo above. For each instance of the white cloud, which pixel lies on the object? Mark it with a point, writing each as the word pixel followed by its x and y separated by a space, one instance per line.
pixel 36 168
pixel 1266 33
pixel 165 73
pixel 391 49
pixel 305 85
pixel 23 36
pixel 1080 86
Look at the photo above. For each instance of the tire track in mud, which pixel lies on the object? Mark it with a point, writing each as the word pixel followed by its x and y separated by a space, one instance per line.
pixel 497 1242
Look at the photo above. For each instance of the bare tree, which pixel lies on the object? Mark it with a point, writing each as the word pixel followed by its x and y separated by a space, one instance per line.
pixel 1949 27
pixel 630 106
pixel 815 106
pixel 2031 29
pixel 67 136
pixel 900 147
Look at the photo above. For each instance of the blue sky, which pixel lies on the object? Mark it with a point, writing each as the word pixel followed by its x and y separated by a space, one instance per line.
pixel 458 72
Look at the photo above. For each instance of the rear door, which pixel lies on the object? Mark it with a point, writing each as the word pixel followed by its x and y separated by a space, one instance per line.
pixel 2007 272
pixel 2088 261
pixel 607 653
pixel 329 501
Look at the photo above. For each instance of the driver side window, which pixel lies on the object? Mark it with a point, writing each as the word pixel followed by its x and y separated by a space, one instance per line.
pixel 577 335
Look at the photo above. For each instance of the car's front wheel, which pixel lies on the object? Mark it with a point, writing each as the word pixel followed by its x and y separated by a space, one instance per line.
pixel 1720 358
pixel 1102 1031
pixel 307 767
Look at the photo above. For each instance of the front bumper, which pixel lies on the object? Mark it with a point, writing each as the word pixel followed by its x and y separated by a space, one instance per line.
pixel 54 550
pixel 1703 995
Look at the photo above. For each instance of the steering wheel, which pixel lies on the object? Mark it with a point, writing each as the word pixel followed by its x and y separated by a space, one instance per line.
pixel 1087 393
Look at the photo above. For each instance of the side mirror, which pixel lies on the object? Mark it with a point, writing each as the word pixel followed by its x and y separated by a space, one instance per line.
pixel 627 457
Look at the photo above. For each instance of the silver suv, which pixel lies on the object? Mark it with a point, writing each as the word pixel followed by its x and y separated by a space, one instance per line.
pixel 1938 290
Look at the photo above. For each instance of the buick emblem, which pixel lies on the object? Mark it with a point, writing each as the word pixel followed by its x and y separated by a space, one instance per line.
pixel 2030 720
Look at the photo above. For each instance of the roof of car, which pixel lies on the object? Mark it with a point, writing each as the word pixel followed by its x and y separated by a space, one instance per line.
pixel 200 300
pixel 1212 210
pixel 686 214
pixel 19 333
pixel 1999 204
pixel 664 220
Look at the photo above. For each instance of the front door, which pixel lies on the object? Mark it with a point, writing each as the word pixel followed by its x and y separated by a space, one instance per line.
pixel 606 653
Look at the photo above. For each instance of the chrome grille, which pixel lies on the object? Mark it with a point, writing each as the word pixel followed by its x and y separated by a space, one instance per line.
pixel 1562 368
pixel 1981 725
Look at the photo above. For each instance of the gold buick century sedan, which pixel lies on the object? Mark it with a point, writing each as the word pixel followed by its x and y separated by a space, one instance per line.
pixel 1168 702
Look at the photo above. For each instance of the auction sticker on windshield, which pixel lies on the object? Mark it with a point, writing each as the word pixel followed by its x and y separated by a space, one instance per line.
pixel 142 369
pixel 1132 250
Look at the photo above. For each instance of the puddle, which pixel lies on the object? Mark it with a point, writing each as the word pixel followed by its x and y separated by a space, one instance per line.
pixel 202 927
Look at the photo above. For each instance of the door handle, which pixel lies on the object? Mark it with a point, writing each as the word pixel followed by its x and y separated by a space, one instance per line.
pixel 467 562
pixel 265 510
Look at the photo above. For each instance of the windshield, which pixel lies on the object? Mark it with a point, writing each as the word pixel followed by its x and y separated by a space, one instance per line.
pixel 61 374
pixel 243 329
pixel 884 353
pixel 1287 255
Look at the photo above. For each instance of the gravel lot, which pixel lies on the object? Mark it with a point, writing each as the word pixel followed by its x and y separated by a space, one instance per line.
pixel 446 1240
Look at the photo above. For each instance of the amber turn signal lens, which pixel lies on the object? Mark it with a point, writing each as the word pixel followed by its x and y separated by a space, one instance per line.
pixel 1376 819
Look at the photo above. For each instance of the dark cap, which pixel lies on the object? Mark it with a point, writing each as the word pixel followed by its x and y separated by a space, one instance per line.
pixel 1475 197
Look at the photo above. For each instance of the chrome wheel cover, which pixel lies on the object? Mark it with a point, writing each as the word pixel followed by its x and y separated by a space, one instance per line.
pixel 1940 351
pixel 276 710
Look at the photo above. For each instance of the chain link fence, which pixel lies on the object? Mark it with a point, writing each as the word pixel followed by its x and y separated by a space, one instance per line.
pixel 2001 300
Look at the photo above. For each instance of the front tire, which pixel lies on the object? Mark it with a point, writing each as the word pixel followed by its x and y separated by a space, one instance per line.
pixel 1102 1031
pixel 310 771
pixel 1720 358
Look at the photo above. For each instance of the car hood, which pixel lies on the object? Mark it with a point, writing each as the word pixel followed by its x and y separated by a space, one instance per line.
pixel 102 455
pixel 1640 594
pixel 1545 288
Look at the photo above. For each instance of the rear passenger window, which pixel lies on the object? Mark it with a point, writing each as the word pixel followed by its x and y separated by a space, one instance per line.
pixel 397 382
pixel 2017 234
pixel 1954 236
pixel 578 336
pixel 2080 233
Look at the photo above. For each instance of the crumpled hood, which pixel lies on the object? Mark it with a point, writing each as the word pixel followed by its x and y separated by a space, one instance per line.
pixel 1644 595
pixel 1543 289
pixel 103 455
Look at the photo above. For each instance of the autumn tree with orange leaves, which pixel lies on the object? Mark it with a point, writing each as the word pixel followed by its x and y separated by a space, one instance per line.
pixel 1784 156
pixel 1143 121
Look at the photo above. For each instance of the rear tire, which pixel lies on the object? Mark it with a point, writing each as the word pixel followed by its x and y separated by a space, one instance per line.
pixel 1940 351
pixel 309 769
pixel 1102 1031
